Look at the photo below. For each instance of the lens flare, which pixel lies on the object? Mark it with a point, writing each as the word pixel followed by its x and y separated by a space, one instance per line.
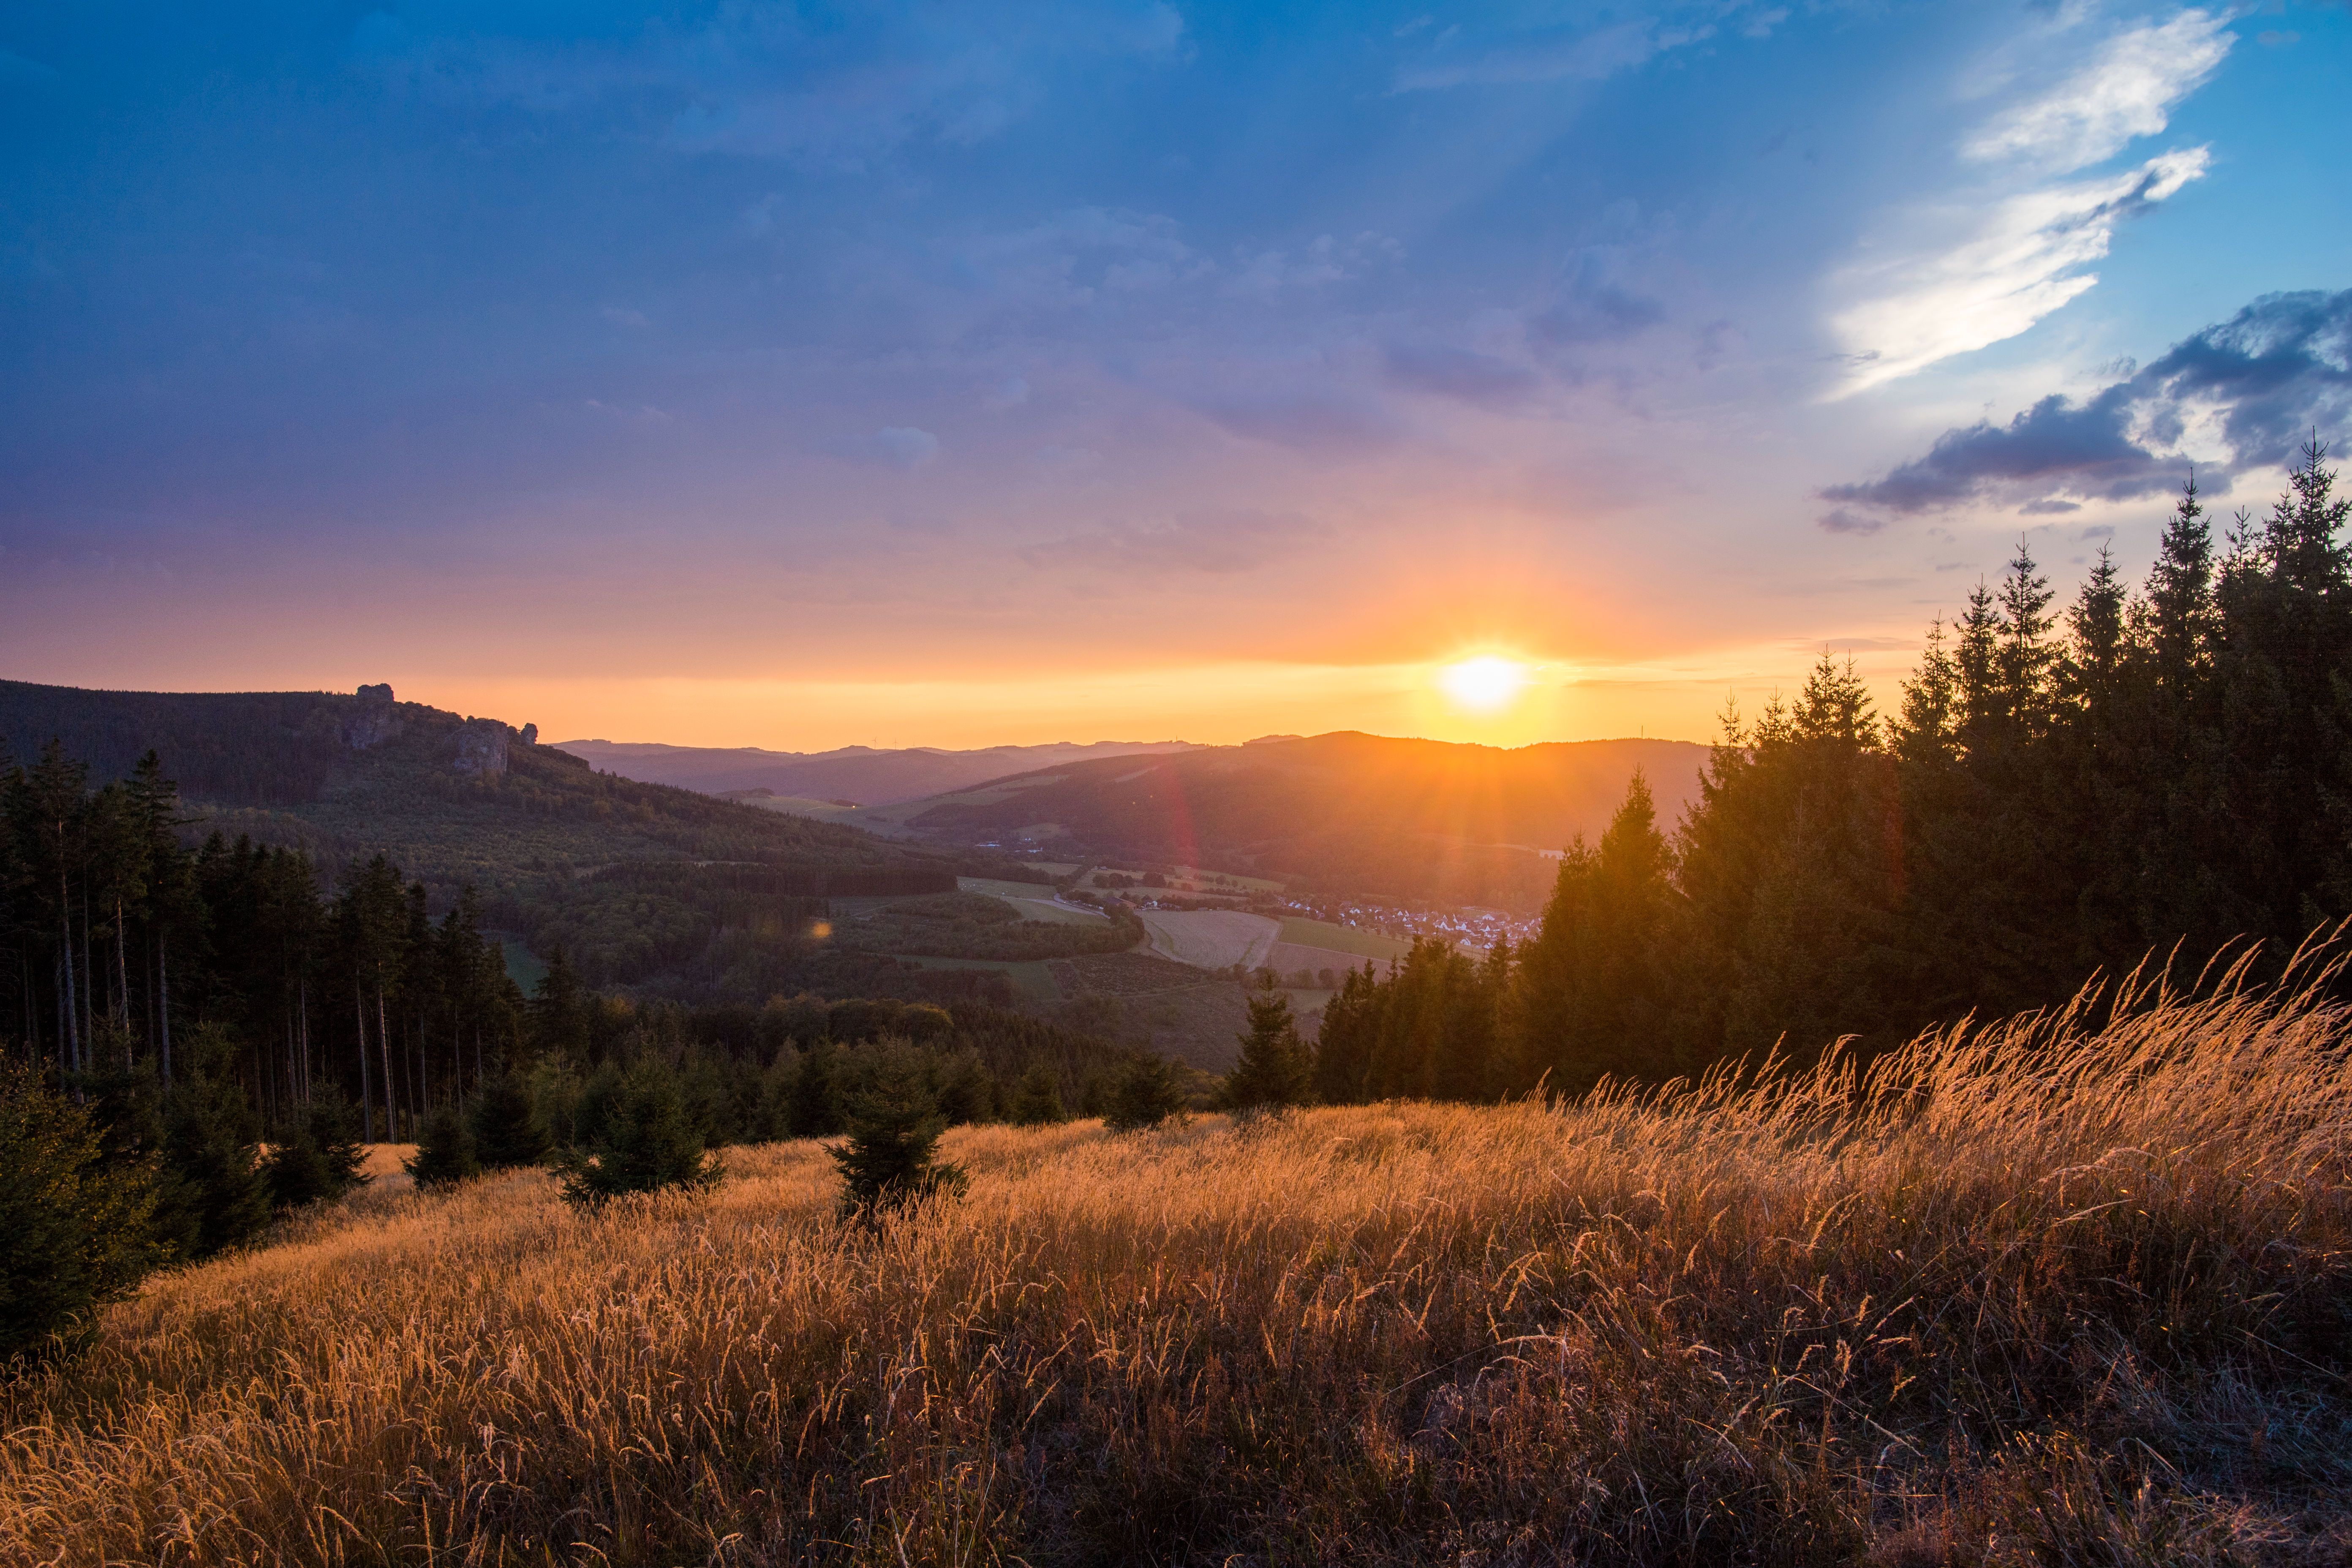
pixel 1484 684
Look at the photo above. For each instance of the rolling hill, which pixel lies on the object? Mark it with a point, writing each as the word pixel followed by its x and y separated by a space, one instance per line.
pixel 1340 814
pixel 859 775
pixel 643 884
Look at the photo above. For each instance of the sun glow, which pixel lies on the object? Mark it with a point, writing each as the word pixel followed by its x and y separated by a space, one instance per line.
pixel 1486 684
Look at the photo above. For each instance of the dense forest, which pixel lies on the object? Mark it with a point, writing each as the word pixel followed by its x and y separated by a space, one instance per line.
pixel 2061 794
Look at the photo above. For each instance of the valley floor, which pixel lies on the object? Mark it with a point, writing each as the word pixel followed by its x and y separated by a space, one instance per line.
pixel 2026 1297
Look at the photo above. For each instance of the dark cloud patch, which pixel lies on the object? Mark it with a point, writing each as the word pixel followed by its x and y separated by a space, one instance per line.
pixel 2269 374
pixel 1464 374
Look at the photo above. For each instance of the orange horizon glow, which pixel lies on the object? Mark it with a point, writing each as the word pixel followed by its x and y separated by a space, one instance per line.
pixel 1485 698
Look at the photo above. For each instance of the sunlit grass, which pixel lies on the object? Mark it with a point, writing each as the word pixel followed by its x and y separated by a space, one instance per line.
pixel 2043 1293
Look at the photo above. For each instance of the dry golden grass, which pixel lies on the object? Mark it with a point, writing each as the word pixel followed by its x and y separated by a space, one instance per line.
pixel 2040 1294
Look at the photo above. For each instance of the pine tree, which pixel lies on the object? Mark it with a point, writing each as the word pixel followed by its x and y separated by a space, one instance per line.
pixel 648 1143
pixel 445 1152
pixel 1274 1072
pixel 891 1157
pixel 1037 1099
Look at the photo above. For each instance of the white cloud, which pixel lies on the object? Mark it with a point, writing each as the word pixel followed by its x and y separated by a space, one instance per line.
pixel 2005 271
pixel 2125 91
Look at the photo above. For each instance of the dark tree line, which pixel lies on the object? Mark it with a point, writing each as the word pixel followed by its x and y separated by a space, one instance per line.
pixel 2064 792
pixel 125 955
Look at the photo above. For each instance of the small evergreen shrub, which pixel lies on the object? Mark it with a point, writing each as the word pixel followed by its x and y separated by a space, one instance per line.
pixel 646 1141
pixel 445 1152
pixel 1037 1099
pixel 75 1225
pixel 1147 1093
pixel 318 1158
pixel 213 1193
pixel 891 1157
pixel 506 1127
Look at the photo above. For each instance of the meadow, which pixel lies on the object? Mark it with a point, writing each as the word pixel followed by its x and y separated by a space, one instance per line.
pixel 2075 1288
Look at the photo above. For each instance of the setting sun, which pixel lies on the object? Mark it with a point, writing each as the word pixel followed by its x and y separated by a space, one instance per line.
pixel 1487 683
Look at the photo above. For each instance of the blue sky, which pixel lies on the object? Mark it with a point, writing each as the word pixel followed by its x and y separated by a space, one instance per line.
pixel 799 375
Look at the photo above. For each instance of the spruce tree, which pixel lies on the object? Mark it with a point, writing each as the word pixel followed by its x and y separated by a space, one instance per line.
pixel 648 1143
pixel 812 1109
pixel 317 1157
pixel 1274 1072
pixel 214 1194
pixel 1146 1093
pixel 505 1125
pixel 76 1223
pixel 1037 1099
pixel 445 1152
pixel 891 1157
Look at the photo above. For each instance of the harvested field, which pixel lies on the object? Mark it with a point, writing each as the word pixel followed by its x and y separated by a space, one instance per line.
pixel 1210 939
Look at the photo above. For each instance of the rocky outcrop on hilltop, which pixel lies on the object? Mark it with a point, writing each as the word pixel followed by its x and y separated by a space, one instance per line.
pixel 372 717
pixel 482 748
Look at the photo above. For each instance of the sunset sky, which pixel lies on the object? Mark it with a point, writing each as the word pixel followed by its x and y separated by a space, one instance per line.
pixel 963 374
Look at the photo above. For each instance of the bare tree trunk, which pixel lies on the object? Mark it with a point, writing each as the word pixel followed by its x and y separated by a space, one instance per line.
pixel 163 1008
pixel 367 1099
pixel 383 1044
pixel 64 947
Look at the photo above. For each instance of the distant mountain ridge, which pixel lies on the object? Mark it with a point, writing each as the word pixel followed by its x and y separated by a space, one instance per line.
pixel 864 775
pixel 1342 812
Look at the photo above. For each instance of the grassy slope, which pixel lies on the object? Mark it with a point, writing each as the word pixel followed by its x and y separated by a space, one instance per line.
pixel 2046 1298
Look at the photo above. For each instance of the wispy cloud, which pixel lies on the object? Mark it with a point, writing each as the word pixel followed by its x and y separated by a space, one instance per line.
pixel 2238 395
pixel 2003 271
pixel 2127 90
pixel 1990 260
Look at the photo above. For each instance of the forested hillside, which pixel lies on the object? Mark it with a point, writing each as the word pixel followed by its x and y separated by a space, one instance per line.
pixel 1343 812
pixel 2061 794
pixel 645 884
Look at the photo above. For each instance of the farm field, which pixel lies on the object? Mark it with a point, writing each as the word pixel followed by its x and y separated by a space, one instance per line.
pixel 1363 944
pixel 2053 1296
pixel 1210 939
